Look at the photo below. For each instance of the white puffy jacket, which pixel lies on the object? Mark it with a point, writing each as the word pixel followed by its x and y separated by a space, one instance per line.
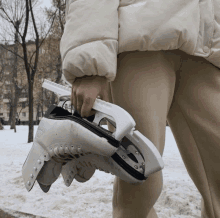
pixel 97 30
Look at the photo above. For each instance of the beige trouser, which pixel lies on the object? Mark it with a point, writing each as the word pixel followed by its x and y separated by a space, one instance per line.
pixel 156 86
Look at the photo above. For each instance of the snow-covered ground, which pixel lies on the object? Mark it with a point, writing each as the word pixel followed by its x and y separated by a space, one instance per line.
pixel 93 199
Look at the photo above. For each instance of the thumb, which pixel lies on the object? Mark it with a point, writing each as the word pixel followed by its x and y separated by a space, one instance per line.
pixel 86 109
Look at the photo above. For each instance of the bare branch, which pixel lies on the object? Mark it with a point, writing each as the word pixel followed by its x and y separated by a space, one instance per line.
pixel 26 22
pixel 61 23
pixel 45 36
pixel 11 21
pixel 36 42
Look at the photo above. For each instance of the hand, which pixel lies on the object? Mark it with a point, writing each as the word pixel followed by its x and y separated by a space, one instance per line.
pixel 85 91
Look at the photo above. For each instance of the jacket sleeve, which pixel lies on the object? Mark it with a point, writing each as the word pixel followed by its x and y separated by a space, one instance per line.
pixel 89 44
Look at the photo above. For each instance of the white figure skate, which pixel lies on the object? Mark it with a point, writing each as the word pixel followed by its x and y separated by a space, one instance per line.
pixel 74 146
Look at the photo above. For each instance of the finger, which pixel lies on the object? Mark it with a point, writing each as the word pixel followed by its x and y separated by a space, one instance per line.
pixel 73 98
pixel 79 103
pixel 87 107
pixel 73 95
pixel 73 92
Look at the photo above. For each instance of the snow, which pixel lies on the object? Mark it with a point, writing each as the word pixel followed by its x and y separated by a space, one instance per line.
pixel 92 199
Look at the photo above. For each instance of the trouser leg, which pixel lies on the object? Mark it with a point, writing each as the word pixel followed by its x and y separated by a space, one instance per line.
pixel 144 87
pixel 194 118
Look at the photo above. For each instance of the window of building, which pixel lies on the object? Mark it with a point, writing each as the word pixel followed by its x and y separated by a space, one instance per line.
pixel 23 104
pixel 1 114
pixel 8 106
pixel 1 106
pixel 7 114
pixel 24 114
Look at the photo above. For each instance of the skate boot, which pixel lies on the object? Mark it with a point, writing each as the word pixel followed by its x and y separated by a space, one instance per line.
pixel 74 146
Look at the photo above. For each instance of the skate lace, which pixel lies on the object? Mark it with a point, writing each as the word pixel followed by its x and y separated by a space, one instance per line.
pixel 62 154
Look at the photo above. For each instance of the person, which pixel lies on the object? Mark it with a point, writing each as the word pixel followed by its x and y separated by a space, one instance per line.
pixel 158 60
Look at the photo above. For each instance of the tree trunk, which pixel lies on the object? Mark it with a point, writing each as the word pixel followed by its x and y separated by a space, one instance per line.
pixel 59 76
pixel 42 110
pixel 30 97
pixel 53 99
pixel 13 113
pixel 10 114
pixel 1 126
pixel 12 119
pixel 37 115
pixel 16 91
pixel 14 108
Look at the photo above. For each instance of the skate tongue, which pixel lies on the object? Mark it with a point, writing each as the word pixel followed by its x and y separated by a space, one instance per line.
pixel 45 188
pixel 49 174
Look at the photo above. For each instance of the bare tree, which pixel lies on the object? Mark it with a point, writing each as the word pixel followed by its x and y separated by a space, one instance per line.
pixel 2 80
pixel 29 58
pixel 13 12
